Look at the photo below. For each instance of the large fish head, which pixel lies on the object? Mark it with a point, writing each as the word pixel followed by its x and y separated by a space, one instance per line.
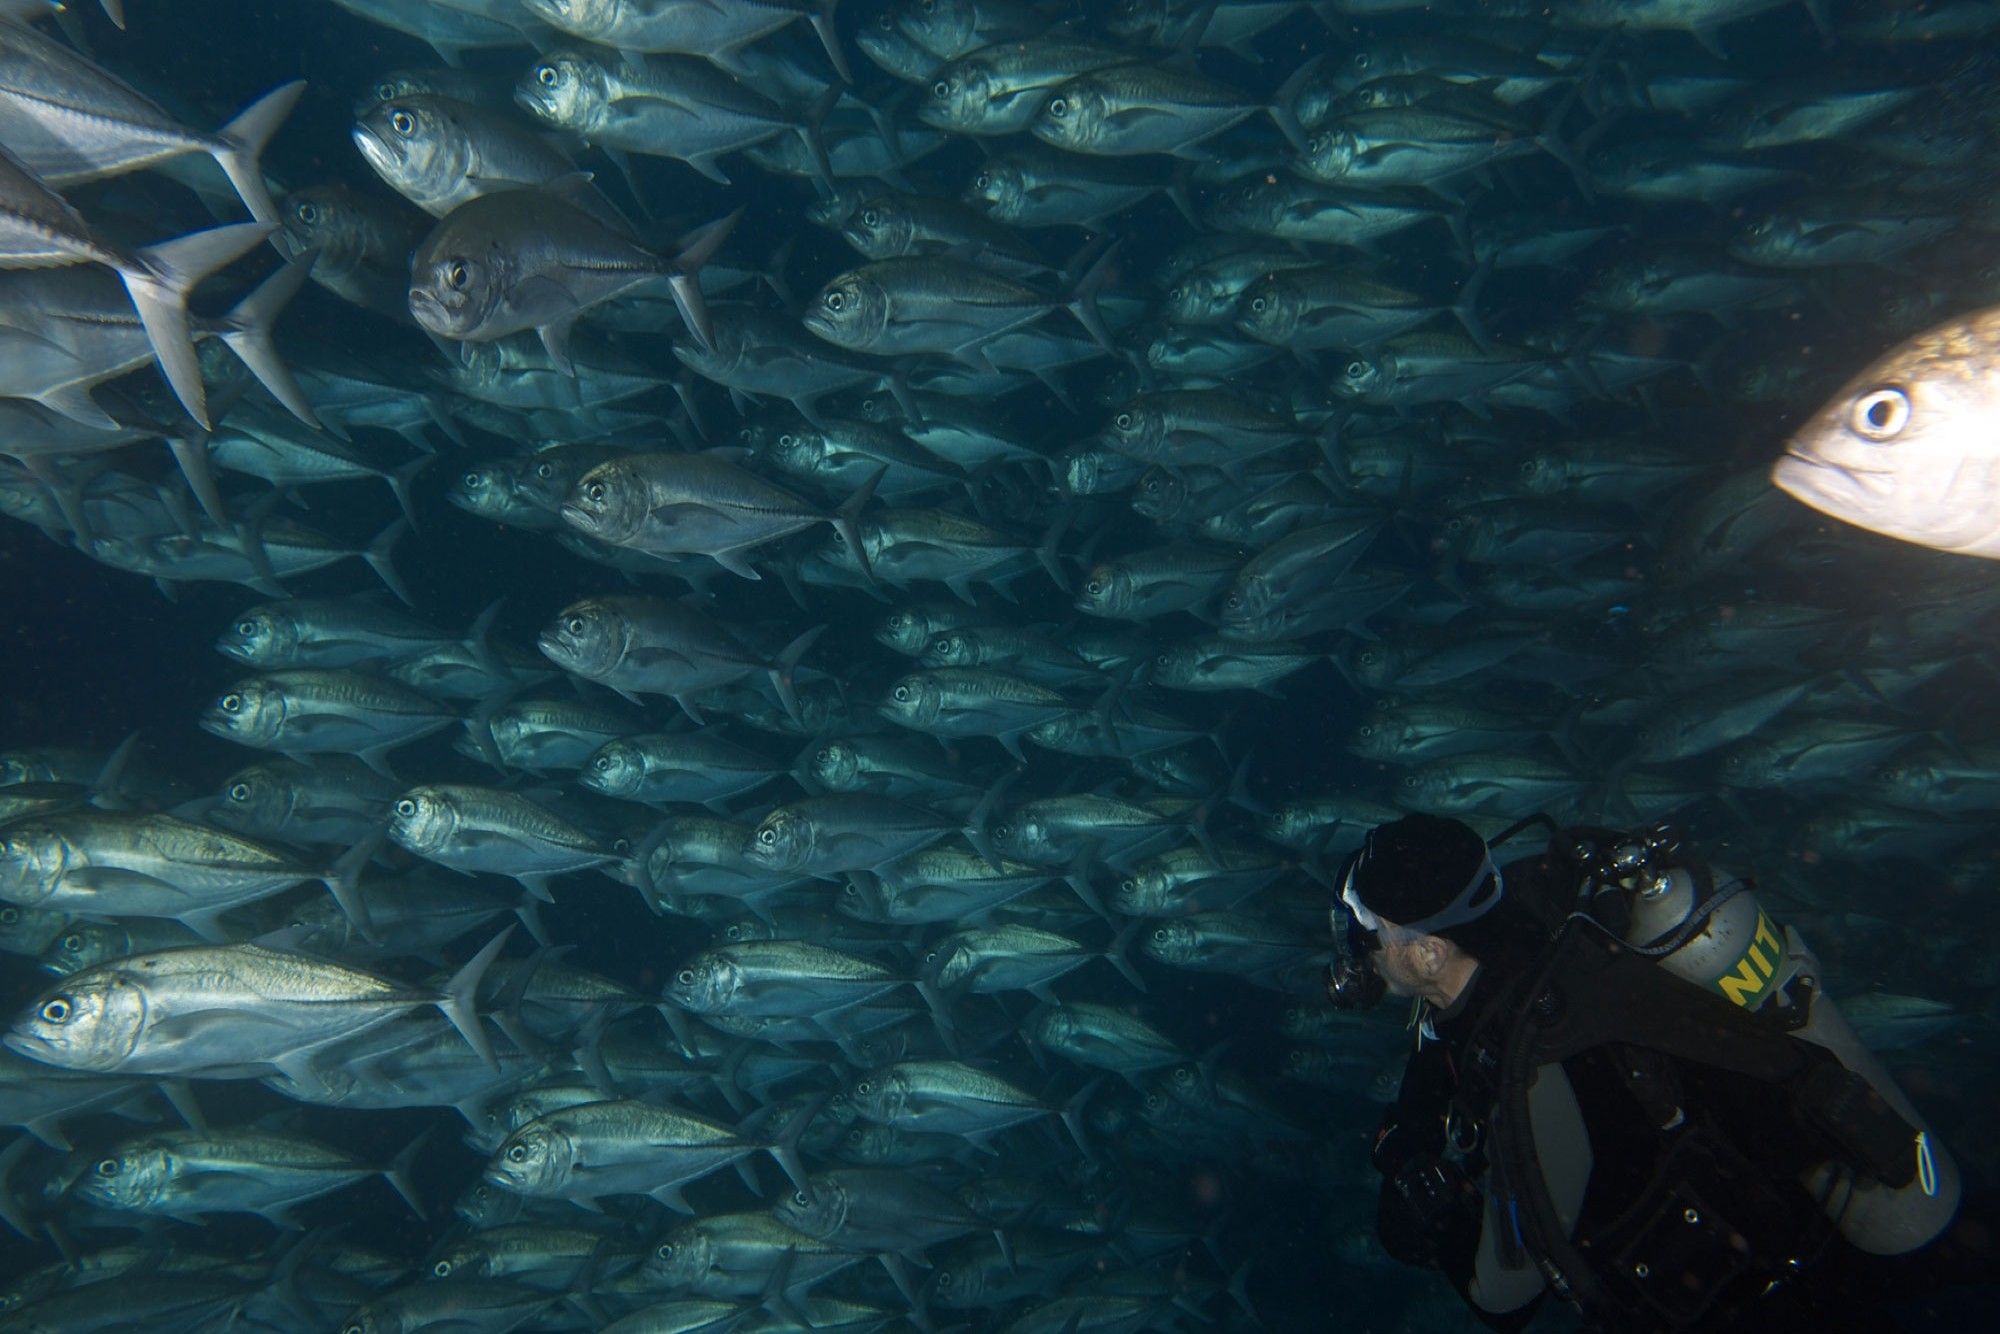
pixel 905 631
pixel 459 287
pixel 705 984
pixel 958 96
pixel 864 901
pixel 1331 153
pixel 485 489
pixel 892 50
pixel 953 648
pixel 133 1176
pixel 1136 426
pixel 415 145
pixel 88 1022
pixel 470 1258
pixel 1105 591
pixel 322 218
pixel 616 770
pixel 948 963
pixel 682 1259
pixel 537 1159
pixel 1364 376
pixel 250 712
pixel 913 701
pixel 255 800
pixel 1171 942
pixel 1161 494
pixel 33 860
pixel 1269 310
pixel 820 1212
pixel 587 638
pixel 1026 837
pixel 836 766
pixel 1139 893
pixel 997 188
pixel 25 930
pixel 881 228
pixel 262 637
pixel 1052 1026
pixel 568 89
pixel 1907 448
pixel 609 503
pixel 84 945
pixel 852 312
pixel 783 842
pixel 423 820
pixel 1075 117
pixel 801 450
pixel 1772 237
pixel 943 27
pixel 879 1095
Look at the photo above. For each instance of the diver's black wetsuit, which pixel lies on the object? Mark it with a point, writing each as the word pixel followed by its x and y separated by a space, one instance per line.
pixel 1432 1215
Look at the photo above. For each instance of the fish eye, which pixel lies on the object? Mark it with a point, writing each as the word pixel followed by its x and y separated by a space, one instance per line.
pixel 246 627
pixel 574 625
pixel 940 89
pixel 384 91
pixel 902 694
pixel 406 808
pixel 800 1198
pixel 546 75
pixel 56 1010
pixel 1095 588
pixel 685 977
pixel 308 213
pixel 665 1250
pixel 458 275
pixel 1367 729
pixel 1882 415
pixel 1059 108
pixel 594 492
pixel 107 1167
pixel 1257 303
pixel 767 836
pixel 9 916
pixel 825 755
pixel 73 941
pixel 442 1269
pixel 1123 421
pixel 1160 934
pixel 545 471
pixel 787 440
pixel 871 217
pixel 1356 369
pixel 474 481
pixel 1233 601
pixel 402 122
pixel 601 763
pixel 981 181
pixel 833 301
pixel 865 1087
pixel 1362 60
pixel 517 1154
pixel 232 703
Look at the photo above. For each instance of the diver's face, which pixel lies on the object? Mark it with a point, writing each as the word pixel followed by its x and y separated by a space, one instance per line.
pixel 1404 966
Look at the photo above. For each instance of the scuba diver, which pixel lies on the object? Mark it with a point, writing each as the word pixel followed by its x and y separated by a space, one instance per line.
pixel 1629 1089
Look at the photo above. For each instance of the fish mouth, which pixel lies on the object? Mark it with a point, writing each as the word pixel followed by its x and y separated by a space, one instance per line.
pixel 430 312
pixel 373 147
pixel 578 517
pixel 28 1045
pixel 1807 478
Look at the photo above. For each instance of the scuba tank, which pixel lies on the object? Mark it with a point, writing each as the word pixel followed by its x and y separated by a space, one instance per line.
pixel 1709 930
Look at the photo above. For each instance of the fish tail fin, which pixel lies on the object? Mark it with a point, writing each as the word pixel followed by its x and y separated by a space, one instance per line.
pixel 343 881
pixel 242 145
pixel 399 484
pixel 459 1000
pixel 380 556
pixel 850 510
pixel 397 1173
pixel 821 19
pixel 786 667
pixel 247 330
pixel 1082 294
pixel 159 286
pixel 696 250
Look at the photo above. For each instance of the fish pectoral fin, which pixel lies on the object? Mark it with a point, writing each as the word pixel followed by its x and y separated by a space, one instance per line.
pixel 117 880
